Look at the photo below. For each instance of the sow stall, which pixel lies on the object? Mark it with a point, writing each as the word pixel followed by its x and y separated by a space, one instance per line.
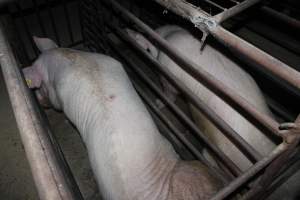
pixel 98 26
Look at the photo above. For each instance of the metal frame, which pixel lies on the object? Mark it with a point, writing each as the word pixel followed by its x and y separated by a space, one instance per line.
pixel 49 169
pixel 52 174
pixel 279 154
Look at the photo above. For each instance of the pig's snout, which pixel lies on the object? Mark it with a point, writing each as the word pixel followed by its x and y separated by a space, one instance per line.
pixel 42 98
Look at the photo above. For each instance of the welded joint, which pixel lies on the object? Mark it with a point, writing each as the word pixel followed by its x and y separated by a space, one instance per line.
pixel 290 131
pixel 204 23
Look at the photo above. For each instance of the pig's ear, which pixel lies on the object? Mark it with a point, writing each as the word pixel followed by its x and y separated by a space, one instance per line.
pixel 32 77
pixel 44 44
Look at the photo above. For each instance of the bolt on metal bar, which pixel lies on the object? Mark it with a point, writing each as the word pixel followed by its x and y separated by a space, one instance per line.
pixel 247 149
pixel 49 177
pixel 261 121
pixel 234 10
pixel 231 166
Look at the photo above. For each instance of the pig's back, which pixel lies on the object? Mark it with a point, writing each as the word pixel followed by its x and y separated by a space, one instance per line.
pixel 230 74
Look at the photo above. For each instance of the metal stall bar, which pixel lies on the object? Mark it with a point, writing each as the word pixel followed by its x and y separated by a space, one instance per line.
pixel 248 150
pixel 181 136
pixel 277 159
pixel 234 10
pixel 234 185
pixel 261 121
pixel 49 178
pixel 281 17
pixel 233 168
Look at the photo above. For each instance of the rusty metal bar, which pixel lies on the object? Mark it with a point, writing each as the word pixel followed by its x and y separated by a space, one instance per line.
pixel 234 185
pixel 200 19
pixel 49 177
pixel 234 10
pixel 294 23
pixel 248 150
pixel 178 134
pixel 261 121
pixel 274 66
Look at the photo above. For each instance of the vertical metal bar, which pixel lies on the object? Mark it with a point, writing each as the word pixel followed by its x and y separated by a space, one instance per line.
pixel 29 35
pixel 39 18
pixel 50 13
pixel 49 177
pixel 66 13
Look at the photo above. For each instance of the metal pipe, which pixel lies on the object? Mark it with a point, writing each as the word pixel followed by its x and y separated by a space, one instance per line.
pixel 233 136
pixel 178 134
pixel 261 121
pixel 294 23
pixel 274 66
pixel 252 171
pixel 231 166
pixel 49 178
pixel 234 10
pixel 230 40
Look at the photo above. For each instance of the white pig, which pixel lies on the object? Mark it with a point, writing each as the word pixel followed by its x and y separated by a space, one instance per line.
pixel 226 71
pixel 129 157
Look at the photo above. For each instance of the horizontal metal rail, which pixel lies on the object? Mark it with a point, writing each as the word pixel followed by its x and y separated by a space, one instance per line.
pixel 261 121
pixel 46 166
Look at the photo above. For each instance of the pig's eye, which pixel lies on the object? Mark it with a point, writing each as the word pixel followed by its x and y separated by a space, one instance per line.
pixel 148 50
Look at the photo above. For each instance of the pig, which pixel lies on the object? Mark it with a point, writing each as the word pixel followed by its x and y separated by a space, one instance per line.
pixel 226 71
pixel 128 156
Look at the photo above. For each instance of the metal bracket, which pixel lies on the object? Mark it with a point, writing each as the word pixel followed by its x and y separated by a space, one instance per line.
pixel 204 24
pixel 290 131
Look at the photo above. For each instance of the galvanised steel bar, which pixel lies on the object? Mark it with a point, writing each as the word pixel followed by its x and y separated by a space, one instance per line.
pixel 261 121
pixel 45 165
pixel 234 10
pixel 293 23
pixel 233 136
pixel 181 115
pixel 252 171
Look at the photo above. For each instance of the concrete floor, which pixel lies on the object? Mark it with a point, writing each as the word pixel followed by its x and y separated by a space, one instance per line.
pixel 16 182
